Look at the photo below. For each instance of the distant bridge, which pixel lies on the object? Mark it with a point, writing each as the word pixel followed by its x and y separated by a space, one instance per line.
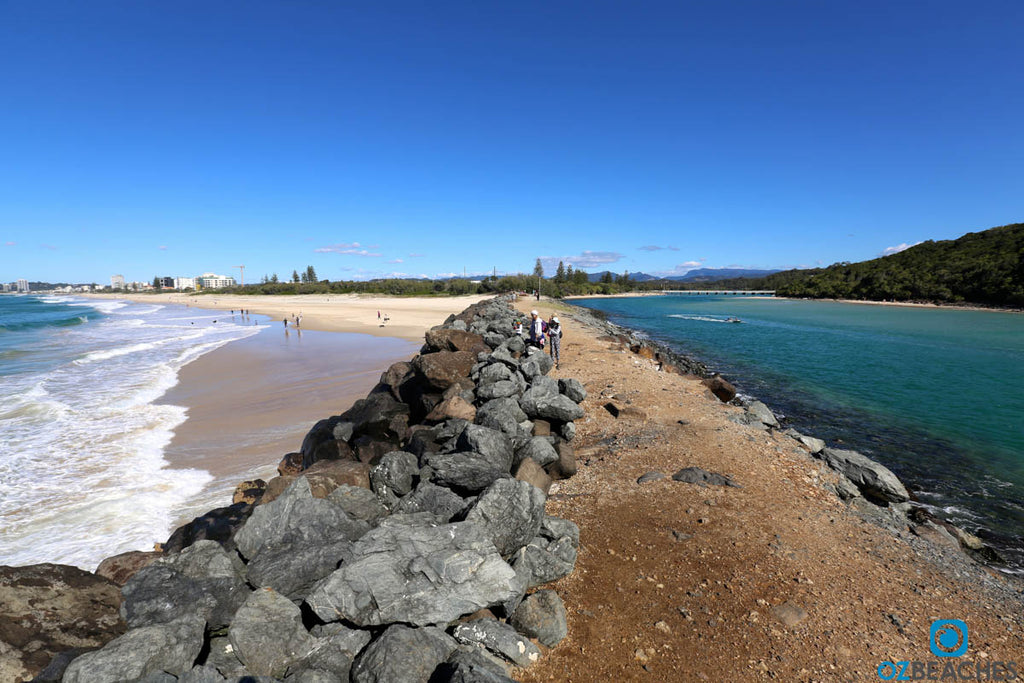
pixel 722 292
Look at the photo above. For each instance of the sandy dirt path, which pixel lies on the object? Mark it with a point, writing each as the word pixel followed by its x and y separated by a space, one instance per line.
pixel 776 580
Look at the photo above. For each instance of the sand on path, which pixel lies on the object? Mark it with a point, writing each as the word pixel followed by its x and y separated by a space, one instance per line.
pixel 777 580
pixel 404 317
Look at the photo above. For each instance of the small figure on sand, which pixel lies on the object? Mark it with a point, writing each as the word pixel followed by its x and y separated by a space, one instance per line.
pixel 555 336
pixel 285 321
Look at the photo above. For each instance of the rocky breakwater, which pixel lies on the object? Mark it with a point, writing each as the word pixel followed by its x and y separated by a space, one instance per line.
pixel 405 541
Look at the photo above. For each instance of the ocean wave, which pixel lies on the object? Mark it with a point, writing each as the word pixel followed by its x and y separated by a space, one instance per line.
pixel 701 318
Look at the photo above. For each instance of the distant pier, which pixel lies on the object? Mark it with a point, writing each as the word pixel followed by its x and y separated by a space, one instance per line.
pixel 722 292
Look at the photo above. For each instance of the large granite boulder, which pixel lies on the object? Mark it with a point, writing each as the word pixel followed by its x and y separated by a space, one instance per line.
pixel 492 444
pixel 447 339
pixel 510 511
pixel 403 655
pixel 763 413
pixel 539 449
pixel 296 517
pixel 453 406
pixel 394 476
pixel 543 560
pixel 440 501
pixel 502 414
pixel 334 651
pixel 443 369
pixel 543 400
pixel 573 389
pixel 119 568
pixel 541 615
pixel 326 475
pixel 468 472
pixel 416 575
pixel 500 389
pixel 172 647
pixel 268 636
pixel 46 609
pixel 876 481
pixel 723 390
pixel 202 579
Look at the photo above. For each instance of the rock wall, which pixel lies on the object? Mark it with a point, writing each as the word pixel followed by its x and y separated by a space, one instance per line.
pixel 404 541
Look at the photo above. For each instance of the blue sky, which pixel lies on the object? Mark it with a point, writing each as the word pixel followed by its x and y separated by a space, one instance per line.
pixel 365 139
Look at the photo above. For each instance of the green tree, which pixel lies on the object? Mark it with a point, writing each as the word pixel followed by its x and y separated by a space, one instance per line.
pixel 273 278
pixel 607 278
pixel 295 276
pixel 538 269
pixel 157 284
pixel 560 273
pixel 310 274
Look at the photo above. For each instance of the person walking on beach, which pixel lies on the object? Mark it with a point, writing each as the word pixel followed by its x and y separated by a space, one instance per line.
pixel 555 337
pixel 537 326
pixel 285 321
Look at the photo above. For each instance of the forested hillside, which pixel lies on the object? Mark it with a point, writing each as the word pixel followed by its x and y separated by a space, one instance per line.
pixel 980 267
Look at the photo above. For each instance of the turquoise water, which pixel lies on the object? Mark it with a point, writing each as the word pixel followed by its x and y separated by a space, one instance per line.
pixel 936 395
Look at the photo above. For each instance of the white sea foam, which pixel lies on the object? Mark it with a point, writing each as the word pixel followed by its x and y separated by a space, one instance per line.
pixel 701 318
pixel 82 473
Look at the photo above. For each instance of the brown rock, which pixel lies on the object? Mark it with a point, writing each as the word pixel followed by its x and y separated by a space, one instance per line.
pixel 442 369
pixel 647 352
pixel 249 491
pixel 446 339
pixel 275 487
pixel 327 475
pixel 722 389
pixel 532 473
pixel 395 376
pixel 541 427
pixel 565 466
pixel 452 407
pixel 120 568
pixel 290 464
pixel 46 609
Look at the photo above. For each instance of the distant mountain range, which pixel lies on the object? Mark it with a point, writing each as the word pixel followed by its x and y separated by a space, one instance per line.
pixel 698 275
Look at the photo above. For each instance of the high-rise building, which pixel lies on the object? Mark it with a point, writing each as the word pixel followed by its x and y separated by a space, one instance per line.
pixel 183 283
pixel 117 281
pixel 167 282
pixel 22 285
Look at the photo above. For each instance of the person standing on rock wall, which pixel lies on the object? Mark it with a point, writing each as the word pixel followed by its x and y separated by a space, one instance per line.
pixel 555 338
pixel 537 327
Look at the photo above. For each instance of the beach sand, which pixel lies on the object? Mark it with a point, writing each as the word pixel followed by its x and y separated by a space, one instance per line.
pixel 252 401
pixel 409 317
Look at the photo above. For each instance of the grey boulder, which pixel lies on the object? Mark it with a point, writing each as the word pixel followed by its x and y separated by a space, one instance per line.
pixel 470 472
pixel 403 655
pixel 500 639
pixel 573 389
pixel 539 449
pixel 170 647
pixel 502 414
pixel 542 615
pixel 268 636
pixel 876 481
pixel 763 413
pixel 416 575
pixel 510 511
pixel 202 579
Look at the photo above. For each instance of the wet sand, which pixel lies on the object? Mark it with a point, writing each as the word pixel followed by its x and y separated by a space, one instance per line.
pixel 252 401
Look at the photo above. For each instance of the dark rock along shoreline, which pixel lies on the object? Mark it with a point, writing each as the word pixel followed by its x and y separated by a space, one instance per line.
pixel 405 540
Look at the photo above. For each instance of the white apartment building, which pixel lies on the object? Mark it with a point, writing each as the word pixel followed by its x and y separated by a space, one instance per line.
pixel 117 281
pixel 214 281
pixel 181 283
pixel 22 285
pixel 6 286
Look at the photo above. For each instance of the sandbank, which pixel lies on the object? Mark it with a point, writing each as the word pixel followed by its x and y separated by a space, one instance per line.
pixel 408 317
pixel 252 401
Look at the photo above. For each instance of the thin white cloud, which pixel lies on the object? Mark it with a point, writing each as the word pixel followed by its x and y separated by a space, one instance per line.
pixel 652 247
pixel 679 269
pixel 396 260
pixel 10 244
pixel 162 247
pixel 888 251
pixel 349 248
pixel 585 259
pixel 414 255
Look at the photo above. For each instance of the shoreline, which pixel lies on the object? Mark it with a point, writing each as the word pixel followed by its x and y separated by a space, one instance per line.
pixel 909 304
pixel 409 317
